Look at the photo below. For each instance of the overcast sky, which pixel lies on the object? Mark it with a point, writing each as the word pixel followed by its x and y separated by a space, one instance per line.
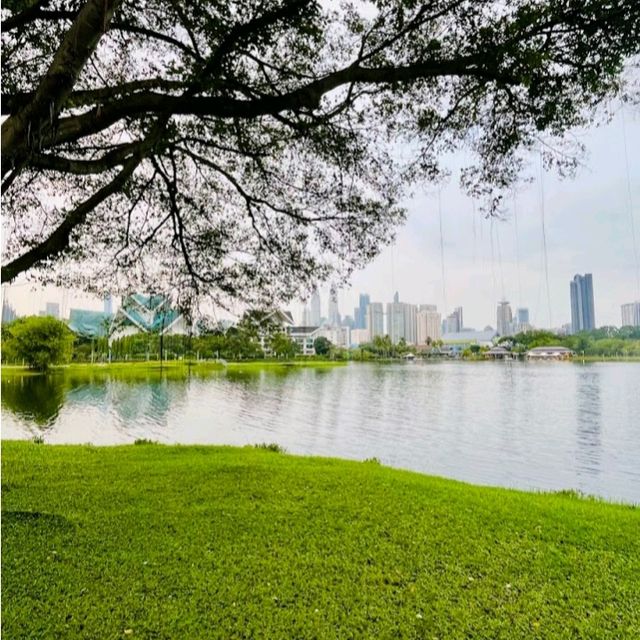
pixel 588 229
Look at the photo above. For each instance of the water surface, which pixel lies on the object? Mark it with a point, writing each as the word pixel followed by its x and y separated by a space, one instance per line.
pixel 528 425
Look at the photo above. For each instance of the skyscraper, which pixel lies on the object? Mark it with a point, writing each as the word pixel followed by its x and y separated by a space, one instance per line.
pixel 361 313
pixel 631 314
pixel 504 318
pixel 334 313
pixel 401 321
pixel 315 315
pixel 374 319
pixel 428 322
pixel 453 323
pixel 582 307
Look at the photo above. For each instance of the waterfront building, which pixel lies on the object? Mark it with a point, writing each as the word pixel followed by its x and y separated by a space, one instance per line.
pixel 550 353
pixel 428 324
pixel 504 318
pixel 305 337
pixel 334 313
pixel 374 319
pixel 147 314
pixel 87 323
pixel 469 337
pixel 582 306
pixel 631 314
pixel 315 314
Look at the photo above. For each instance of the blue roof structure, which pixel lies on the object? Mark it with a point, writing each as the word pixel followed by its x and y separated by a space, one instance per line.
pixel 149 314
pixel 89 324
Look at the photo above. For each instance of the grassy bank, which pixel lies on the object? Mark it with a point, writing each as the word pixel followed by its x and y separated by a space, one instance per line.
pixel 152 541
pixel 170 367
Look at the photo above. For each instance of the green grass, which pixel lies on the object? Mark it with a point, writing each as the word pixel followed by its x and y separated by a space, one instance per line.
pixel 152 541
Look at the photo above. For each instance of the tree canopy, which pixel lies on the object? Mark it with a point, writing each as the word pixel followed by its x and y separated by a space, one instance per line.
pixel 250 150
pixel 40 341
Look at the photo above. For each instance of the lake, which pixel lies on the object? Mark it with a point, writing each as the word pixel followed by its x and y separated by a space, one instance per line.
pixel 545 426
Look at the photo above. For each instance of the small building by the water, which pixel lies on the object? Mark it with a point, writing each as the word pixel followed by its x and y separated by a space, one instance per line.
pixel 498 353
pixel 550 353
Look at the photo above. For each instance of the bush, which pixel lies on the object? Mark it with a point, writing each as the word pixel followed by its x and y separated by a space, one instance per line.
pixel 38 341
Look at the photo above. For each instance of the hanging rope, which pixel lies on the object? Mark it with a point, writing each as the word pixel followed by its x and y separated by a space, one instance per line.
pixel 544 240
pixel 630 204
pixel 444 289
pixel 515 220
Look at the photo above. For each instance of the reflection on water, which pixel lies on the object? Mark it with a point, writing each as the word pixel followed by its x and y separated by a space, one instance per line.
pixel 589 422
pixel 543 425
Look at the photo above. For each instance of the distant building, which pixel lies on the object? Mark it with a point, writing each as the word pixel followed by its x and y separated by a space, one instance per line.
pixel 334 312
pixel 428 324
pixel 108 304
pixel 87 323
pixel 453 323
pixel 582 306
pixel 401 321
pixel 315 313
pixel 338 336
pixel 360 312
pixel 360 336
pixel 468 337
pixel 147 314
pixel 305 338
pixel 52 309
pixel 306 317
pixel 504 318
pixel 374 320
pixel 521 322
pixel 348 321
pixel 631 314
pixel 550 353
pixel 8 312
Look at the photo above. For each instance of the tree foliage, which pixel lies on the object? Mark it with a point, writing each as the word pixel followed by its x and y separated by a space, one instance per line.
pixel 249 150
pixel 322 346
pixel 38 341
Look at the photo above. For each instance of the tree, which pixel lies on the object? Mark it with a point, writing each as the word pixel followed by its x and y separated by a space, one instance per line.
pixel 322 346
pixel 39 341
pixel 282 345
pixel 246 150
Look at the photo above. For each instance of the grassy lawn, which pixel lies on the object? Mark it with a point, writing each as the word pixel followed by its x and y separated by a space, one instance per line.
pixel 152 541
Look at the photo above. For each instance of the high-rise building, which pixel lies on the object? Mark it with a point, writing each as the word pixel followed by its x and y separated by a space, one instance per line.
pixel 361 314
pixel 522 315
pixel 453 323
pixel 374 319
pixel 315 314
pixel 582 307
pixel 401 321
pixel 108 304
pixel 8 312
pixel 504 318
pixel 52 309
pixel 334 313
pixel 631 314
pixel 306 317
pixel 428 323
